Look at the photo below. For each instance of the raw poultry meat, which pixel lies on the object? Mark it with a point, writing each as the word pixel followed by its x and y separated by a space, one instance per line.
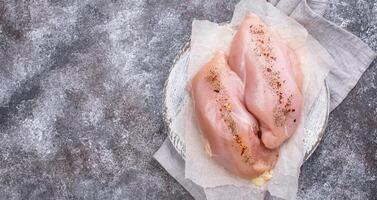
pixel 272 78
pixel 230 131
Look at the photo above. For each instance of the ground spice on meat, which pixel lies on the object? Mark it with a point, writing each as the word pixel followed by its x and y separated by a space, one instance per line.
pixel 262 47
pixel 225 109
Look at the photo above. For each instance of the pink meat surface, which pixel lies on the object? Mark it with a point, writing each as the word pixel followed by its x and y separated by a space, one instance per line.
pixel 272 77
pixel 230 130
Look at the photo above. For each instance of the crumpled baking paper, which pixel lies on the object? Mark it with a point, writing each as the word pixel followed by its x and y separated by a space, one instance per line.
pixel 206 39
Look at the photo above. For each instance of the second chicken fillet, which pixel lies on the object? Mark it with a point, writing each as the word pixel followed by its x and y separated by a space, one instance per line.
pixel 272 77
pixel 230 130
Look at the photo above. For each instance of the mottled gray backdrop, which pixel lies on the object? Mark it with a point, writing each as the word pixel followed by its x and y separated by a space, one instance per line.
pixel 81 100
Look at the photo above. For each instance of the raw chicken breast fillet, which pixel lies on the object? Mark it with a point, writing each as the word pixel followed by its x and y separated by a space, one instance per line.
pixel 272 77
pixel 230 131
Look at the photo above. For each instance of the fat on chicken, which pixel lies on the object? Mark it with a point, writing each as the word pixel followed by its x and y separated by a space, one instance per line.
pixel 230 131
pixel 272 77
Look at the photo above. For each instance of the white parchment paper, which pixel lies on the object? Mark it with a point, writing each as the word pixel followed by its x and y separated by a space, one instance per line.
pixel 206 39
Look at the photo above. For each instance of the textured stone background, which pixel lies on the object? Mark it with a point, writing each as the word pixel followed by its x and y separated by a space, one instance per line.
pixel 81 96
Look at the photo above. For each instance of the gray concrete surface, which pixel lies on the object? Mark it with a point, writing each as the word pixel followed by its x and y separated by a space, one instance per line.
pixel 81 100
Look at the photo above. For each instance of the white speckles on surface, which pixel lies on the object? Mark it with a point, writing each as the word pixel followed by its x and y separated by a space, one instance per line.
pixel 358 17
pixel 35 136
pixel 92 111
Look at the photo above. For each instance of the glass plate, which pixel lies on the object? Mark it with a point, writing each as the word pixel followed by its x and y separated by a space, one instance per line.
pixel 176 94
